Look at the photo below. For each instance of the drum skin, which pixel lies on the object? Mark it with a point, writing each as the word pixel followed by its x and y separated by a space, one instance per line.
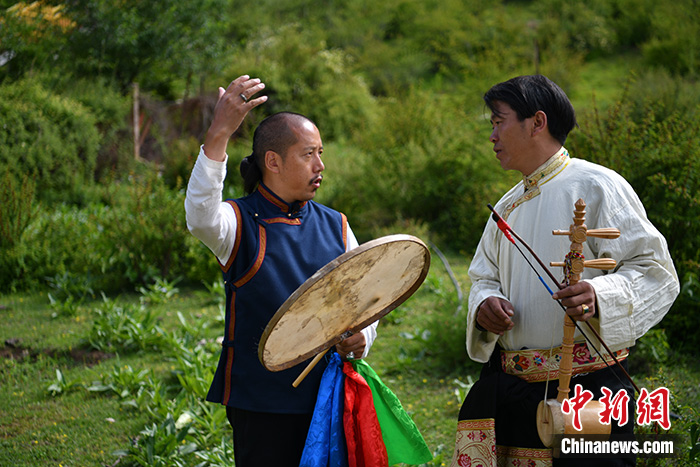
pixel 343 297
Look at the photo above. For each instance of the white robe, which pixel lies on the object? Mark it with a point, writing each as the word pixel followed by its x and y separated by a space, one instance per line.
pixel 631 299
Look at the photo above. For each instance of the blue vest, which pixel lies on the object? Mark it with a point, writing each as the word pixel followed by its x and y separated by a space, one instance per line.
pixel 278 246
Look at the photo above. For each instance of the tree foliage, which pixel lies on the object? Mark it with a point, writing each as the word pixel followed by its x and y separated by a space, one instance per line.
pixel 31 36
pixel 395 88
pixel 158 42
pixel 49 137
pixel 651 139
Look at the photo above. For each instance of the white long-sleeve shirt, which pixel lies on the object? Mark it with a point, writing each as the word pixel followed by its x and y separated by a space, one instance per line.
pixel 631 299
pixel 214 222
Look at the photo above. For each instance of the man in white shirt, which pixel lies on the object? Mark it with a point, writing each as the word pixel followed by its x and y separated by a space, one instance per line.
pixel 267 244
pixel 513 325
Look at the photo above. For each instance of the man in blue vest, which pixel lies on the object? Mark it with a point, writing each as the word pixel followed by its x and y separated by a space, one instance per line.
pixel 267 244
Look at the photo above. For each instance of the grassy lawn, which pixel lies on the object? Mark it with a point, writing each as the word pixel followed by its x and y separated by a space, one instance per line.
pixel 418 354
pixel 75 427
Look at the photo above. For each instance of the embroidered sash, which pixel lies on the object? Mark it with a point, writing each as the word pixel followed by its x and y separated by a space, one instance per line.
pixel 537 365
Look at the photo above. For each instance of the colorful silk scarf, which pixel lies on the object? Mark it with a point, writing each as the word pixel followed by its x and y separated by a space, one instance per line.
pixel 359 422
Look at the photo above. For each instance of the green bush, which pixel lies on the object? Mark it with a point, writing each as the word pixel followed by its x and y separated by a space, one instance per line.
pixel 17 210
pixel 61 242
pixel 178 163
pixel 143 231
pixel 584 26
pixel 675 44
pixel 632 21
pixel 684 313
pixel 302 75
pixel 134 235
pixel 145 238
pixel 651 351
pixel 651 140
pixel 57 243
pixel 397 44
pixel 427 162
pixel 111 111
pixel 51 138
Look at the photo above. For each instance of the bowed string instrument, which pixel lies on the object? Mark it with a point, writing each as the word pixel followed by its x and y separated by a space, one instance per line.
pixel 551 420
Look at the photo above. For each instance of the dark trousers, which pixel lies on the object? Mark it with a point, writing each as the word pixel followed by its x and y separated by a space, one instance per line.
pixel 267 439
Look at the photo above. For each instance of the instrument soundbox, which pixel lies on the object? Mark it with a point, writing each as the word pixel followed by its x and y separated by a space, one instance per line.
pixel 343 297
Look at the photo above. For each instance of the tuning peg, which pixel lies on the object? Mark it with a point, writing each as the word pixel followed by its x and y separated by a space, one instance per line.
pixel 600 263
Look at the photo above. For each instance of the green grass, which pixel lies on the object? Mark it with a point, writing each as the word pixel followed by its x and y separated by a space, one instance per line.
pixel 76 427
pixel 419 354
pixel 38 429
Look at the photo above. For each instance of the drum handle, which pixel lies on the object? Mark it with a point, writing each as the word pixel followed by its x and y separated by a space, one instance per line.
pixel 318 357
pixel 309 367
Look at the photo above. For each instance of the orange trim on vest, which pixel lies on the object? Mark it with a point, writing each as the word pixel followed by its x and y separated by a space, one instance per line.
pixel 262 235
pixel 269 196
pixel 344 220
pixel 283 220
pixel 232 321
pixel 229 350
pixel 237 242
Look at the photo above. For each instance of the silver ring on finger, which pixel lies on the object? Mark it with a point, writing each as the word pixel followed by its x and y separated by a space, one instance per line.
pixel 350 355
pixel 245 99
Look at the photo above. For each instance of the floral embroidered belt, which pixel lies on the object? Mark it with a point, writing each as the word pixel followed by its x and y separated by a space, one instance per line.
pixel 536 365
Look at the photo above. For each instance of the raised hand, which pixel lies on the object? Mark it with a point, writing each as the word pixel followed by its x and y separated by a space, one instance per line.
pixel 233 105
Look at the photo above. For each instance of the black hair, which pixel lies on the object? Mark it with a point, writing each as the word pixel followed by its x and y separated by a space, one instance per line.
pixel 274 133
pixel 528 94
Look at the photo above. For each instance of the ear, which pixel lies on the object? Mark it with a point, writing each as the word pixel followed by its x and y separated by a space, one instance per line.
pixel 539 122
pixel 272 161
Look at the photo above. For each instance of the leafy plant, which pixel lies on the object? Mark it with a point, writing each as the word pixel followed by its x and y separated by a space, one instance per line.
pixel 125 328
pixel 161 445
pixel 650 351
pixel 462 388
pixel 16 208
pixel 215 291
pixel 125 382
pixel 195 358
pixel 694 452
pixel 60 249
pixel 220 455
pixel 62 385
pixel 69 293
pixel 159 292
pixel 67 307
pixel 69 286
pixel 441 456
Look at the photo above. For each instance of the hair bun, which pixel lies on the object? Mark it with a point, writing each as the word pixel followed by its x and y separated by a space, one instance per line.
pixel 251 173
pixel 246 164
